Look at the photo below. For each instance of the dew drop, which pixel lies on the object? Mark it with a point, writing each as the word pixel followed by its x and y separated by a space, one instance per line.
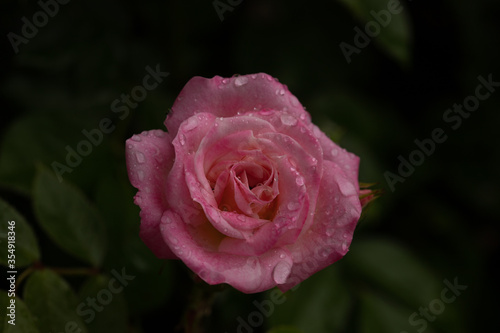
pixel 204 274
pixel 281 272
pixel 344 246
pixel 140 175
pixel 335 151
pixel 280 92
pixel 225 81
pixel 159 133
pixel 191 124
pixel 241 218
pixel 254 76
pixel 140 157
pixel 175 240
pixel 347 188
pixel 240 80
pixel 136 138
pixel 282 256
pixel 295 102
pixel 165 219
pixel 252 262
pixel 293 206
pixel 182 139
pixel 269 78
pixel 299 180
pixel 130 146
pixel 288 120
pixel 302 115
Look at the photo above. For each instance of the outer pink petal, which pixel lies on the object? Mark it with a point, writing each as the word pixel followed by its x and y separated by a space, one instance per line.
pixel 149 158
pixel 226 97
pixel 248 274
pixel 348 162
pixel 337 212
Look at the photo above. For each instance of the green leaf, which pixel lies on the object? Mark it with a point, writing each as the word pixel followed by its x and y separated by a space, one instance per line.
pixel 26 245
pixel 68 218
pixel 379 315
pixel 321 303
pixel 389 267
pixel 47 138
pixel 24 321
pixel 115 200
pixel 108 293
pixel 394 34
pixel 53 303
pixel 285 329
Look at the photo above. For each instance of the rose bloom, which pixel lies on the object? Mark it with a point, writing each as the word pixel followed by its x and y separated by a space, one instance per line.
pixel 242 187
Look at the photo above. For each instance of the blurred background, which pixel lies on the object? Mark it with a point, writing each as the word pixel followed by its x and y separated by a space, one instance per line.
pixel 66 65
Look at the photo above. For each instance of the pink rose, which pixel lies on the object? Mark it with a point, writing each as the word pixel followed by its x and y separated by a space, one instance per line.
pixel 243 188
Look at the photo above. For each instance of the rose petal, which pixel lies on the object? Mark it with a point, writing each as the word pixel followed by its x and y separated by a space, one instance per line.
pixel 330 235
pixel 149 158
pixel 246 273
pixel 228 97
pixel 347 161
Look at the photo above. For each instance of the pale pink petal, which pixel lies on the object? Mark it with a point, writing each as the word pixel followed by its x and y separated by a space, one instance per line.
pixel 347 161
pixel 249 274
pixel 149 158
pixel 227 97
pixel 328 239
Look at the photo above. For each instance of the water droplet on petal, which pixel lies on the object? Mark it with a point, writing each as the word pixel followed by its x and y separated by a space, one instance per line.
pixel 136 138
pixel 159 133
pixel 140 175
pixel 254 76
pixel 281 272
pixel 293 206
pixel 344 246
pixel 191 124
pixel 240 80
pixel 174 240
pixel 282 256
pixel 295 102
pixel 347 188
pixel 335 151
pixel 224 81
pixel 140 157
pixel 182 139
pixel 242 218
pixel 165 219
pixel 252 262
pixel 299 180
pixel 288 120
